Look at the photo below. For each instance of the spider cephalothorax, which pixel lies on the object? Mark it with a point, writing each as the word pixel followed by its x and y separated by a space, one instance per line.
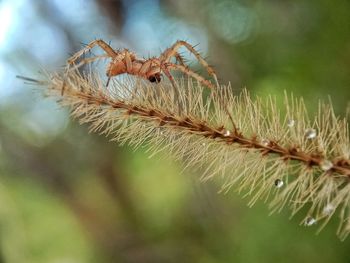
pixel 125 61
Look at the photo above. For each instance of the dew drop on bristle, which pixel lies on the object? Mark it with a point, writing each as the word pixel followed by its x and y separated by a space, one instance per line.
pixel 265 142
pixel 326 165
pixel 290 123
pixel 279 183
pixel 310 133
pixel 227 133
pixel 310 221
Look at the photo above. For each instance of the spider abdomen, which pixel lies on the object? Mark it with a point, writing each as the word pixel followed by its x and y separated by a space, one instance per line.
pixel 116 68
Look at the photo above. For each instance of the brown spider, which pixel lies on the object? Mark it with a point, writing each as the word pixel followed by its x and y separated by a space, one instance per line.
pixel 151 69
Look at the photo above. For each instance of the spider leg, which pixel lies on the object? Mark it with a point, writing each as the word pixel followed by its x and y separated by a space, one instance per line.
pixel 172 51
pixel 99 42
pixel 170 77
pixel 81 63
pixel 187 71
pixel 128 60
pixel 179 59
pixel 88 60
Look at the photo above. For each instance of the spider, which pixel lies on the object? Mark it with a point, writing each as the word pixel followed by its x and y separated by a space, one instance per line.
pixel 151 69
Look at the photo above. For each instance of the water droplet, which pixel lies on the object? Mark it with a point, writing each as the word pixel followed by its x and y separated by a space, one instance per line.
pixel 326 165
pixel 160 131
pixel 310 133
pixel 310 221
pixel 279 183
pixel 290 123
pixel 328 209
pixel 227 133
pixel 265 142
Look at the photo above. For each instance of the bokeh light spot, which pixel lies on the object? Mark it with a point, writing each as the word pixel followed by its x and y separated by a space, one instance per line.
pixel 232 21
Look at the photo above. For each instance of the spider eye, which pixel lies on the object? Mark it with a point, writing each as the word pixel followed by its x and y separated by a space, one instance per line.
pixel 154 78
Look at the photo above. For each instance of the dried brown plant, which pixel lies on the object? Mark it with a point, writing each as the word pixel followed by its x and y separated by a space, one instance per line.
pixel 280 155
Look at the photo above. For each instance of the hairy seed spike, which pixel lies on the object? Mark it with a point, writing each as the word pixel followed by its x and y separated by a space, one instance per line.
pixel 260 154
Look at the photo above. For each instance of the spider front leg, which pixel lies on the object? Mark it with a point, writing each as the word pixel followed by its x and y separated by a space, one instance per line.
pixel 170 77
pixel 110 52
pixel 172 52
pixel 171 66
pixel 179 59
pixel 88 60
pixel 99 42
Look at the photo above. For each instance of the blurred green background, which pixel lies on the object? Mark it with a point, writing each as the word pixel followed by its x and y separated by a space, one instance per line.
pixel 68 196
